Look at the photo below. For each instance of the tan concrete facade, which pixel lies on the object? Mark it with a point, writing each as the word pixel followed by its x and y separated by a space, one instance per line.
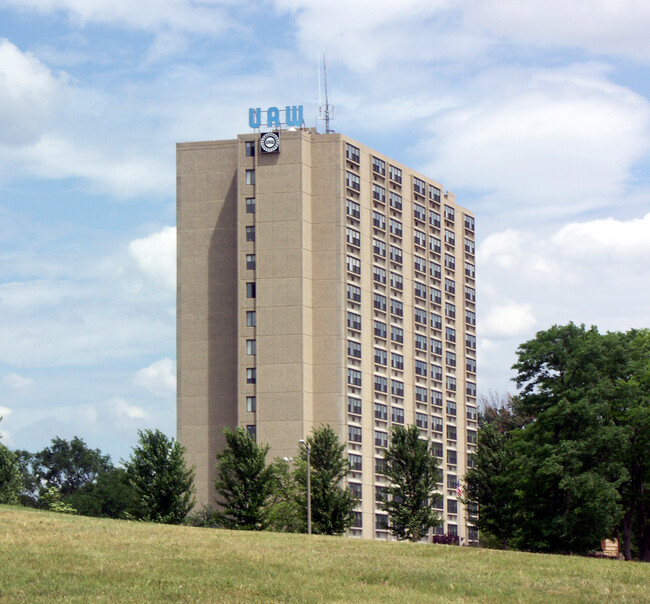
pixel 323 284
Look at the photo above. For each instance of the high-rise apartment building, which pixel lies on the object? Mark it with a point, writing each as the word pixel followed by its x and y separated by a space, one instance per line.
pixel 321 282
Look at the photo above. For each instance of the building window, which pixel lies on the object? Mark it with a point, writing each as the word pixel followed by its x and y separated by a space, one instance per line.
pixel 470 317
pixel 380 329
pixel 395 227
pixel 397 415
pixel 354 265
pixel 354 405
pixel 450 238
pixel 250 233
pixel 251 347
pixel 419 238
pixel 420 340
pixel 434 219
pixel 451 408
pixel 355 489
pixel 379 166
pixel 379 302
pixel 469 270
pixel 354 377
pixel 352 181
pixel 250 261
pixel 451 432
pixel 471 389
pixel 395 174
pixel 396 201
pixel 354 434
pixel 420 290
pixel 436 346
pixel 436 372
pixel 251 375
pixel 451 383
pixel 397 388
pixel 355 462
pixel 354 293
pixel 250 177
pixel 251 319
pixel 472 413
pixel 381 439
pixel 354 321
pixel 421 394
pixel 435 270
pixel 418 186
pixel 353 208
pixel 381 357
pixel 434 193
pixel 250 205
pixel 381 466
pixel 450 310
pixel 435 245
pixel 436 398
pixel 251 404
pixel 381 411
pixel 353 237
pixel 250 148
pixel 436 295
pixel 450 286
pixel 419 212
pixel 396 308
pixel 452 504
pixel 469 246
pixel 379 248
pixel 352 152
pixel 469 223
pixel 379 275
pixel 450 262
pixel 421 368
pixel 436 321
pixel 396 254
pixel 470 341
pixel 250 290
pixel 449 213
pixel 450 359
pixel 420 264
pixel 421 420
pixel 470 365
pixel 436 426
pixel 381 522
pixel 452 458
pixel 378 220
pixel 396 334
pixel 354 349
pixel 252 430
pixel 397 361
pixel 381 384
pixel 379 193
pixel 470 294
pixel 420 316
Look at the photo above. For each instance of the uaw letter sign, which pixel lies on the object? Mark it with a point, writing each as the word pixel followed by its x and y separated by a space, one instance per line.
pixel 292 117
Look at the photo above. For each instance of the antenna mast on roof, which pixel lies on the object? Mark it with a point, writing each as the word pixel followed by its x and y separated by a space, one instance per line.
pixel 324 113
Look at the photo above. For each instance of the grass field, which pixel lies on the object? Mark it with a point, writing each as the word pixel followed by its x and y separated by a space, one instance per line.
pixel 47 557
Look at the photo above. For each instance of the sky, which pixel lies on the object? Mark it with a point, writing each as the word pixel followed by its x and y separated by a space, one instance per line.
pixel 535 114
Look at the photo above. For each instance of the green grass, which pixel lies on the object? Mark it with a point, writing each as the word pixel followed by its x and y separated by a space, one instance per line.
pixel 46 557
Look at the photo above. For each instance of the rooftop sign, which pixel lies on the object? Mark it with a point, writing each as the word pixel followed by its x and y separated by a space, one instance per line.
pixel 292 117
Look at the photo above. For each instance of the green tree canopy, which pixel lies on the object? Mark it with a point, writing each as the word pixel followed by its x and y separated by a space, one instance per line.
pixel 11 479
pixel 244 482
pixel 331 503
pixel 412 469
pixel 162 482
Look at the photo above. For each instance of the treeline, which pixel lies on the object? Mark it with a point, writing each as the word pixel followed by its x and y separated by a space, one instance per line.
pixel 566 462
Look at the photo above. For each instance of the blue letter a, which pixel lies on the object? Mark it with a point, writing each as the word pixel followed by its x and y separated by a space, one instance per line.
pixel 273 117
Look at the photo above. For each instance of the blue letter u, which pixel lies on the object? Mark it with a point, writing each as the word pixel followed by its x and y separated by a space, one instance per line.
pixel 254 117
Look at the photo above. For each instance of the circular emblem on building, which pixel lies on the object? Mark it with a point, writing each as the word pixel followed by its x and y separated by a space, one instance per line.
pixel 270 142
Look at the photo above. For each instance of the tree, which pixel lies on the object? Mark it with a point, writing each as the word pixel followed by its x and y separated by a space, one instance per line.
pixel 244 482
pixel 163 484
pixel 111 496
pixel 331 503
pixel 285 512
pixel 412 469
pixel 68 466
pixel 11 480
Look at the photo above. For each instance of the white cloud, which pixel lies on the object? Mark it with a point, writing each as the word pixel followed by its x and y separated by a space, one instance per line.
pixel 159 378
pixel 16 382
pixel 121 408
pixel 155 256
pixel 205 16
pixel 618 27
pixel 4 411
pixel 553 141
pixel 507 320
pixel 29 94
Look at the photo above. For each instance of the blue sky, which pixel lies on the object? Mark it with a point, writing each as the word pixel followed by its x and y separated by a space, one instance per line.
pixel 536 114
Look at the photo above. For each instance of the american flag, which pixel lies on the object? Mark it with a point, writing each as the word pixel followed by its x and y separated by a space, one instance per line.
pixel 459 490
